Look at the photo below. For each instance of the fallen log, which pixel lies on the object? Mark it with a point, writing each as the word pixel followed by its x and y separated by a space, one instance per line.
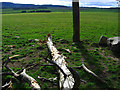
pixel 66 79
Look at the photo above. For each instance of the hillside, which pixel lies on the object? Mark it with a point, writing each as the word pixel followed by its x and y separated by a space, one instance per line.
pixel 6 5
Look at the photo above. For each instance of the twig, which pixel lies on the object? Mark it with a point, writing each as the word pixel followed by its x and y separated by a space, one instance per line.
pixel 89 71
pixel 78 67
pixel 46 80
pixel 22 76
pixel 7 84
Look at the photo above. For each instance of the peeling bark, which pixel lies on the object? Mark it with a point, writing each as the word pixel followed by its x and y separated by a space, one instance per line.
pixel 32 82
pixel 64 82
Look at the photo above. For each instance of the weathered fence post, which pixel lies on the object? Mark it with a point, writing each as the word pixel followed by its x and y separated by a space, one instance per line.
pixel 76 22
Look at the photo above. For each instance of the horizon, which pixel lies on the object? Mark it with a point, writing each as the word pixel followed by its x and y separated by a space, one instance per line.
pixel 82 3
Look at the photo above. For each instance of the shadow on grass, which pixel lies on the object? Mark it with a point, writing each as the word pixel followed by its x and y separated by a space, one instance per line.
pixel 116 54
pixel 94 65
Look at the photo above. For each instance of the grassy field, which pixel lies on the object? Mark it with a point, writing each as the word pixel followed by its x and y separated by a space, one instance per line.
pixel 23 28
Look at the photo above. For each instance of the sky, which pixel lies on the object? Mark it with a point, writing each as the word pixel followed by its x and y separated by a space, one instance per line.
pixel 82 3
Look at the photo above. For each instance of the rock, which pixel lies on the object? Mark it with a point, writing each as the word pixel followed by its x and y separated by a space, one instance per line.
pixel 114 43
pixel 103 41
pixel 17 36
pixel 37 40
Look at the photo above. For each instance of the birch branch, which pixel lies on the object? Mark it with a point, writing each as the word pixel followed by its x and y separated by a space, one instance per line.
pixel 92 73
pixel 22 76
pixel 6 85
pixel 67 82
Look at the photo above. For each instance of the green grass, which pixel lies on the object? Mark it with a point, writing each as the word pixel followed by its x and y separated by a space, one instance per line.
pixel 60 25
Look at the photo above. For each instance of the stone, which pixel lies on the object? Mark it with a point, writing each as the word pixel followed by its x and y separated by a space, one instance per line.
pixel 37 40
pixel 103 41
pixel 114 43
pixel 17 36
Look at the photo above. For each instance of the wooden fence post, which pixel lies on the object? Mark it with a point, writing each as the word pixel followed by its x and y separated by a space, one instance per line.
pixel 76 21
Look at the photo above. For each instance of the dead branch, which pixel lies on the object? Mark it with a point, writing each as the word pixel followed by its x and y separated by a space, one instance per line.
pixel 34 65
pixel 78 67
pixel 46 65
pixel 22 76
pixel 66 80
pixel 56 66
pixel 46 80
pixel 53 79
pixel 32 82
pixel 76 77
pixel 13 56
pixel 93 74
pixel 89 71
pixel 7 84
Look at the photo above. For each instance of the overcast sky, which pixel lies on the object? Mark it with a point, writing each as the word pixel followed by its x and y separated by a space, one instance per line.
pixel 89 3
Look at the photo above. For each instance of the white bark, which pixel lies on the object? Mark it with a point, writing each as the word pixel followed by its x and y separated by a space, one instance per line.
pixel 64 82
pixel 7 84
pixel 22 76
pixel 33 83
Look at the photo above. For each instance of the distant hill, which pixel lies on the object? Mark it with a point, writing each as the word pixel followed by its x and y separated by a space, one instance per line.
pixel 6 5
pixel 9 7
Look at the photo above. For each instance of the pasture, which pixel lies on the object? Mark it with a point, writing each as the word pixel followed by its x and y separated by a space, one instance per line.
pixel 21 29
